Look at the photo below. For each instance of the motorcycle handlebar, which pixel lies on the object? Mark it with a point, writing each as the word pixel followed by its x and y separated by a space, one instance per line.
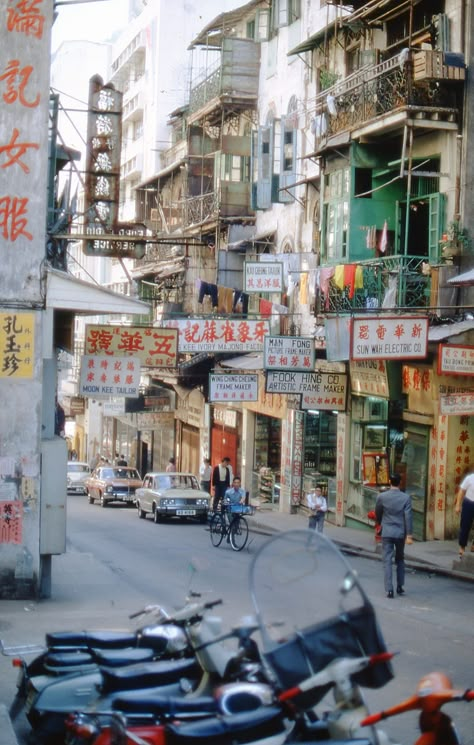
pixel 430 702
pixel 184 614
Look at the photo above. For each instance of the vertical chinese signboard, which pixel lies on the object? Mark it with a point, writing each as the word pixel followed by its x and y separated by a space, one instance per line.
pixel 24 106
pixel 104 134
pixel 25 30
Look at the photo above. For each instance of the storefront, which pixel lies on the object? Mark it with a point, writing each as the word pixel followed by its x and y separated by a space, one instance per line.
pixel 263 426
pixel 376 434
pixel 190 423
pixel 319 460
pixel 225 440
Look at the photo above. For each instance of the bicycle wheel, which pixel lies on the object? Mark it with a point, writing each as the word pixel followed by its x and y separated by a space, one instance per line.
pixel 217 530
pixel 239 533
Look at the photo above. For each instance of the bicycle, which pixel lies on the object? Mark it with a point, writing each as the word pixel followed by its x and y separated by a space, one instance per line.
pixel 230 523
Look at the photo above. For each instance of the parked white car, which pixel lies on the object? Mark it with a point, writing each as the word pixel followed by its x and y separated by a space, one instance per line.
pixel 77 473
pixel 166 495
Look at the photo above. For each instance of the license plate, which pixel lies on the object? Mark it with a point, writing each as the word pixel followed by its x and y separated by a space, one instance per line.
pixel 30 700
pixel 185 512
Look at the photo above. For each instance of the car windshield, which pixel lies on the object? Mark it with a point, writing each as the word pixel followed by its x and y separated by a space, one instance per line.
pixel 176 481
pixel 78 468
pixel 120 473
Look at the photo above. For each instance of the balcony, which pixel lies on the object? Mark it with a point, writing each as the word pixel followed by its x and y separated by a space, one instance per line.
pixel 389 282
pixel 384 97
pixel 203 208
pixel 234 79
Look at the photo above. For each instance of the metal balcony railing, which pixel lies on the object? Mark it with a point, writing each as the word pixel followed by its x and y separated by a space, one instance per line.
pixel 388 282
pixel 382 89
pixel 206 90
pixel 200 209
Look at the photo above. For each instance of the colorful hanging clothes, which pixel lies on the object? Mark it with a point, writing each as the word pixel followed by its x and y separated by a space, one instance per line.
pixel 323 279
pixel 349 275
pixel 265 308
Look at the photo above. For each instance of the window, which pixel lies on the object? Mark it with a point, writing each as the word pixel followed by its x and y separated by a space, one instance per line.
pixel 288 141
pixel 284 13
pixel 336 214
pixel 235 168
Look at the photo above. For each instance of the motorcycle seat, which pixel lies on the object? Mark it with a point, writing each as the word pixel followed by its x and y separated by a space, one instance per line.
pixel 97 639
pixel 148 675
pixel 140 702
pixel 121 657
pixel 64 661
pixel 265 722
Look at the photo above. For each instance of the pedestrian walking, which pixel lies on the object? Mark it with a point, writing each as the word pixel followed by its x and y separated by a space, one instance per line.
pixel 318 506
pixel 171 467
pixel 393 511
pixel 465 505
pixel 205 474
pixel 221 480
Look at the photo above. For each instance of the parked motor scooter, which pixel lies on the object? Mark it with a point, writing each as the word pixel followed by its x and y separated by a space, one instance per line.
pixel 436 727
pixel 336 624
pixel 232 681
pixel 77 653
pixel 49 699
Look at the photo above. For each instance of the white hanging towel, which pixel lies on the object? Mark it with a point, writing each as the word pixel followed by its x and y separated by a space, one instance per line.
pixel 384 238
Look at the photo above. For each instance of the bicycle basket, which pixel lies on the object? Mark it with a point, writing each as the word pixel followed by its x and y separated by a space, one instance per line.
pixel 242 509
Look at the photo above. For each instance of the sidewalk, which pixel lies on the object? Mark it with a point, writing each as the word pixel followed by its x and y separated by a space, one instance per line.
pixel 437 557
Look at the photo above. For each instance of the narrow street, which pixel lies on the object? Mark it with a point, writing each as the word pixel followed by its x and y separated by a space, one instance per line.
pixel 135 562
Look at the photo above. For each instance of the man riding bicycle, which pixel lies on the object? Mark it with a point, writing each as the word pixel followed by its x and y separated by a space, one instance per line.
pixel 235 494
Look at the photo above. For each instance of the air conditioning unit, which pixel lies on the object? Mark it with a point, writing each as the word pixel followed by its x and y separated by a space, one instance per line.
pixel 154 214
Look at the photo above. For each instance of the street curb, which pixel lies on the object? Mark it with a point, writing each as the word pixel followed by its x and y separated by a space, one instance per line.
pixel 418 565
pixel 7 733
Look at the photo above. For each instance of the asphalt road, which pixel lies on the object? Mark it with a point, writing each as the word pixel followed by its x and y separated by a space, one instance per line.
pixel 431 626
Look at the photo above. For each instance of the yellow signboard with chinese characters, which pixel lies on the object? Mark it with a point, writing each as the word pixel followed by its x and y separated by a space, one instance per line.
pixel 17 345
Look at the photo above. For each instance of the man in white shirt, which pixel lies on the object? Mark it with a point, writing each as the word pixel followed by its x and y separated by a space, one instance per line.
pixel 318 506
pixel 465 505
pixel 205 473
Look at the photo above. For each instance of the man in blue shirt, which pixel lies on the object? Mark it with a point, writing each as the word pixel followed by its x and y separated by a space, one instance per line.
pixel 393 512
pixel 235 494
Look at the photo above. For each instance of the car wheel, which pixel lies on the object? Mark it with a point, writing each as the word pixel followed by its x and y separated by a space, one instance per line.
pixel 103 501
pixel 141 513
pixel 156 516
pixel 90 498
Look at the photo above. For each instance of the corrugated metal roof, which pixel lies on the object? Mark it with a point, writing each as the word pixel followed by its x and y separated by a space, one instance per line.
pixel 466 278
pixel 438 333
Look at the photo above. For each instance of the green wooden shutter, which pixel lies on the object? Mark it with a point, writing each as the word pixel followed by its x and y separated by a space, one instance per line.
pixel 436 225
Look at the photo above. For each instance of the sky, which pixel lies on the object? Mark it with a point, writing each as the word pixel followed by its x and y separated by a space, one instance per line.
pixel 94 21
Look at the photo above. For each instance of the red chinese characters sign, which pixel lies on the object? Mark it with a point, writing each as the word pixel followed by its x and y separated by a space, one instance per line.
pixel 289 353
pixel 11 522
pixel 389 337
pixel 456 360
pixel 199 335
pixel 155 347
pixel 24 80
pixel 263 277
pixel 103 376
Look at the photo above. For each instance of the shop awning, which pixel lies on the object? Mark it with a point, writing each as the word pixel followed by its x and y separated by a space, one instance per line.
pixel 465 279
pixel 438 333
pixel 244 362
pixel 65 292
pixel 313 41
